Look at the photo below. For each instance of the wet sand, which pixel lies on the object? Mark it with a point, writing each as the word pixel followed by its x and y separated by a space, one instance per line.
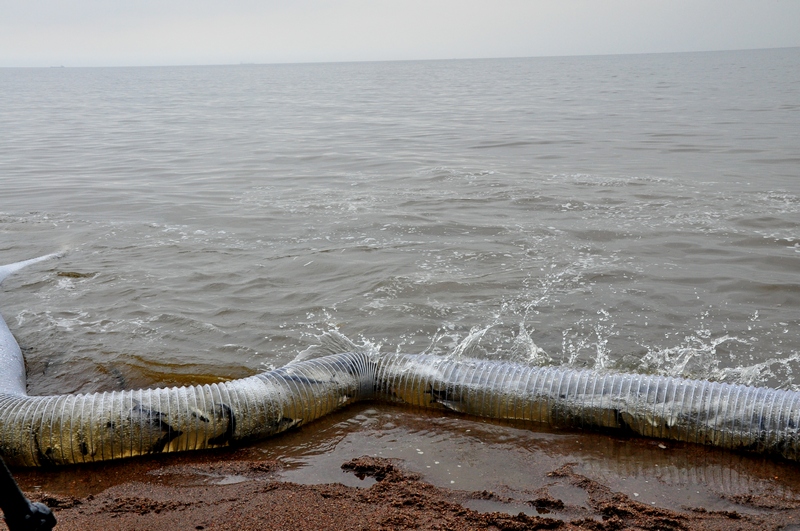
pixel 378 467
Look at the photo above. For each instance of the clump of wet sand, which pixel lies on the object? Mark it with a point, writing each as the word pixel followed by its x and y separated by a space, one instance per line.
pixel 244 494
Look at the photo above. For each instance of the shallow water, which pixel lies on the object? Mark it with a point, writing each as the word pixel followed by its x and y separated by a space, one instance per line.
pixel 475 455
pixel 472 456
pixel 639 213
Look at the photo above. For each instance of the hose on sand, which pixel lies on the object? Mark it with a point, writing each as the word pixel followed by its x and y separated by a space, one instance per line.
pixel 78 428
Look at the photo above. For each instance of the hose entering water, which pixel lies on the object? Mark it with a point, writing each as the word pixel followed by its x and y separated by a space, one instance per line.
pixel 730 416
pixel 52 430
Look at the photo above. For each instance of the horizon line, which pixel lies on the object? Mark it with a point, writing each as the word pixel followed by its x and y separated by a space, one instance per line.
pixel 352 61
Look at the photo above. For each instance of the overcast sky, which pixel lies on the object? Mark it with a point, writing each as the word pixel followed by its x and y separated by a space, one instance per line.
pixel 170 32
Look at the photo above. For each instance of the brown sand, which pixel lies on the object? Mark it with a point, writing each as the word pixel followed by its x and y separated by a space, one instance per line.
pixel 426 472
pixel 242 494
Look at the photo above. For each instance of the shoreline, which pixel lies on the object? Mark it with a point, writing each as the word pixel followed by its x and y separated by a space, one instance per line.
pixel 240 493
pixel 383 467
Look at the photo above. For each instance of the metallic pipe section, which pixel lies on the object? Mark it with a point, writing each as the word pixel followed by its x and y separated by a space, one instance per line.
pixel 82 428
pixel 53 430
pixel 12 365
pixel 730 416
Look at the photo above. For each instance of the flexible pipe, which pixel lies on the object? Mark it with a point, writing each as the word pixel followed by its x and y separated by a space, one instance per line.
pixel 730 416
pixel 78 428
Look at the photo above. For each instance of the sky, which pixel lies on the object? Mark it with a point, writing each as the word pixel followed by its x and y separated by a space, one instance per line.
pixel 43 33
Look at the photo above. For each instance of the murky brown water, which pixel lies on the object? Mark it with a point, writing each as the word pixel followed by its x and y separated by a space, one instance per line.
pixel 473 455
pixel 639 213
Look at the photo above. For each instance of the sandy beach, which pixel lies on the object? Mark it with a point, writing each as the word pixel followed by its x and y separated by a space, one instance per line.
pixel 511 479
pixel 202 495
pixel 609 210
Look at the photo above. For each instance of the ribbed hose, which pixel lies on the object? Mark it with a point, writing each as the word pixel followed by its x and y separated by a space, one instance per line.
pixel 54 430
pixel 729 416
pixel 51 430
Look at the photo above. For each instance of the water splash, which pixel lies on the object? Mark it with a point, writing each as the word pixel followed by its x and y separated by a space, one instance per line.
pixel 706 354
pixel 695 357
pixel 524 350
pixel 469 346
pixel 576 342
pixel 334 342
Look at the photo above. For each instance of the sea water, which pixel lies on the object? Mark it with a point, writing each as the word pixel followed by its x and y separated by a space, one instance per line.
pixel 637 213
